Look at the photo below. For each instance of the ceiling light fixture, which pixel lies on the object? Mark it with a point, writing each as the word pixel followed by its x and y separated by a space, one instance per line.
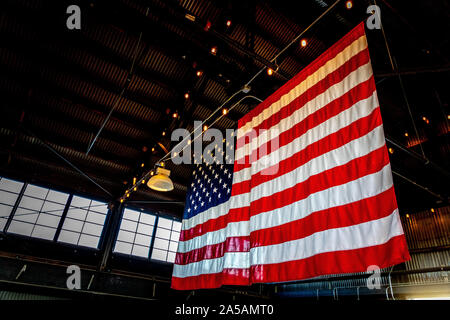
pixel 161 181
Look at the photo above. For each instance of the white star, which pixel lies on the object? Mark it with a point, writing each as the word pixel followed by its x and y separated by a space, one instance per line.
pixel 207 194
pixel 228 190
pixel 209 199
pixel 225 171
pixel 192 202
pixel 218 196
pixel 220 180
pixel 202 203
pixel 195 207
pixel 224 185
pixel 229 175
pixel 189 210
pixel 215 190
pixel 194 189
pixel 216 176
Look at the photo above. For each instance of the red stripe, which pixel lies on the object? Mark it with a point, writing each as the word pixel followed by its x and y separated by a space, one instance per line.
pixel 356 168
pixel 232 244
pixel 360 92
pixel 233 215
pixel 393 252
pixel 368 209
pixel 238 277
pixel 352 170
pixel 331 79
pixel 333 141
pixel 329 54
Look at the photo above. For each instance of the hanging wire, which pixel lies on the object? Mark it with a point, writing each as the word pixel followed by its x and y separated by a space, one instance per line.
pixel 246 88
pixel 127 83
pixel 394 67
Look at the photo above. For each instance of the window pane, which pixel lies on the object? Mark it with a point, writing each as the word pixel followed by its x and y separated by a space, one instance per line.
pixel 145 229
pixel 5 210
pixel 35 191
pixel 79 202
pixel 176 226
pixel 171 257
pixel 163 233
pixel 2 223
pixel 53 208
pixel 140 251
pixel 175 236
pixel 173 246
pixel 92 229
pixel 100 207
pixel 8 197
pixel 131 215
pixel 165 223
pixel 73 225
pixel 159 254
pixel 20 228
pixel 26 215
pixel 10 185
pixel 161 244
pixel 96 218
pixel 147 219
pixel 88 241
pixel 68 237
pixel 123 247
pixel 31 203
pixel 44 232
pixel 48 220
pixel 128 225
pixel 78 214
pixel 142 240
pixel 126 236
pixel 57 196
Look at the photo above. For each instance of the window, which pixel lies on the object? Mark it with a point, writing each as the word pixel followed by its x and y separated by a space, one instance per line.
pixel 84 222
pixel 166 240
pixel 38 213
pixel 9 192
pixel 135 233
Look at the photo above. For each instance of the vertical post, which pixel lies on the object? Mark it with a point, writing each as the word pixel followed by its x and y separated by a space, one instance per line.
pixel 13 211
pixel 153 236
pixel 110 234
pixel 63 217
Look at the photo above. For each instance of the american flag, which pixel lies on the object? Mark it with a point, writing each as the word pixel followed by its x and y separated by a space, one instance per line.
pixel 312 195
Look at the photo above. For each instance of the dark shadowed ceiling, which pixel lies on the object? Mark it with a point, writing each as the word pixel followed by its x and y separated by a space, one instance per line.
pixel 58 86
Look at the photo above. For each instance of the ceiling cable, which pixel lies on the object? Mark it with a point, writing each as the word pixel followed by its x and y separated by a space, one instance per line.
pixel 246 88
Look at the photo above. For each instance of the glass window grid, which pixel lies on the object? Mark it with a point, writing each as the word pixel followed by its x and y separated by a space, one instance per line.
pixel 18 220
pixel 6 208
pixel 172 227
pixel 139 223
pixel 79 234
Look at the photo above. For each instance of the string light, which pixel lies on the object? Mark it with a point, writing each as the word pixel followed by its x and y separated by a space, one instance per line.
pixel 406 134
pixel 391 151
pixel 432 210
pixel 228 23
pixel 142 165
pixel 407 215
pixel 303 43
pixel 224 111
pixel 153 149
pixel 214 50
pixel 199 73
pixel 349 4
pixel 205 127
pixel 121 200
pixel 175 115
pixel 163 133
pixel 135 188
pixel 269 71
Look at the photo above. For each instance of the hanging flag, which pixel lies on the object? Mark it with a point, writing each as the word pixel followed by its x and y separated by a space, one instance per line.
pixel 311 188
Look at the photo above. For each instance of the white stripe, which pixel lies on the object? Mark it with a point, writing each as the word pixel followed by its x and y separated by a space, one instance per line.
pixel 359 110
pixel 359 147
pixel 364 187
pixel 235 260
pixel 371 233
pixel 360 75
pixel 330 66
